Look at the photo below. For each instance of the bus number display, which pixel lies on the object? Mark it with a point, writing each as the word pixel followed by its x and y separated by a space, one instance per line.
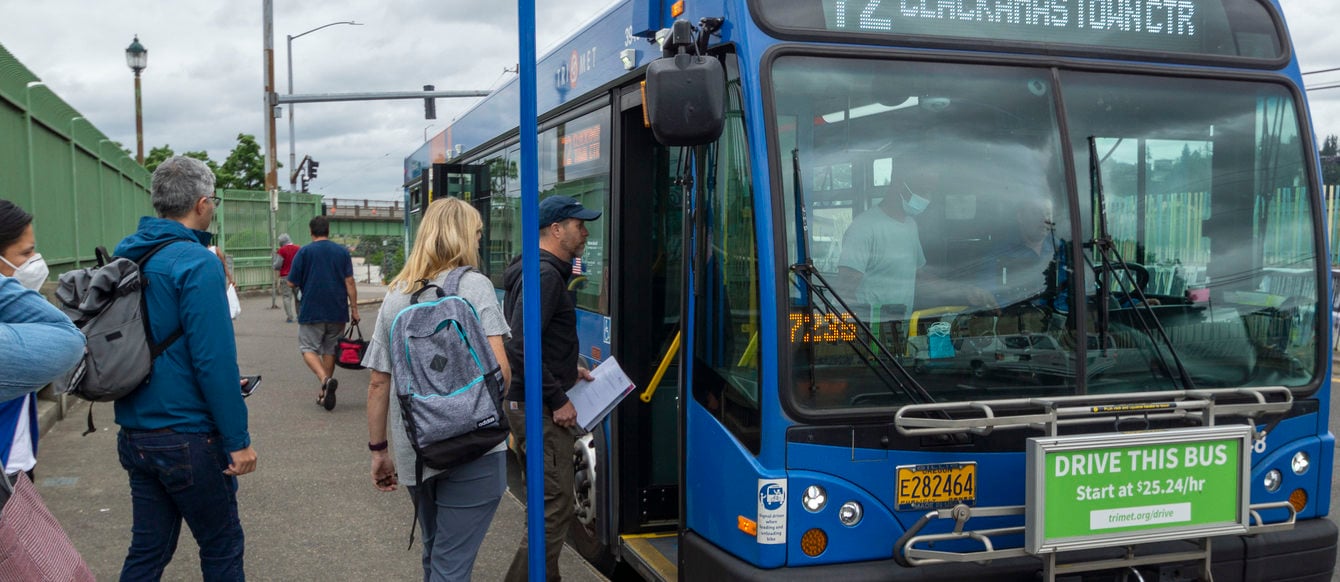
pixel 936 486
pixel 826 328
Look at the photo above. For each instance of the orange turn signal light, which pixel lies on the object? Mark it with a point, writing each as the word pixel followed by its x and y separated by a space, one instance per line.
pixel 1298 499
pixel 747 525
pixel 677 9
pixel 814 542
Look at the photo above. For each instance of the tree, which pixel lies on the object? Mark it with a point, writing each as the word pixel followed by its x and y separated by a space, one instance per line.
pixel 245 167
pixel 157 156
pixel 1330 160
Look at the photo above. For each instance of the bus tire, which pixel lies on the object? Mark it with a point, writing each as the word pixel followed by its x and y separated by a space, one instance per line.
pixel 588 531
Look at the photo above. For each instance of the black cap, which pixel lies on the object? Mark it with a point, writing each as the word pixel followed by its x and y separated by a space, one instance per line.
pixel 559 208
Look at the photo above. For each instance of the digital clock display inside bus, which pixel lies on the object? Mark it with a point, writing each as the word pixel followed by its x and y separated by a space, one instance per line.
pixel 1219 27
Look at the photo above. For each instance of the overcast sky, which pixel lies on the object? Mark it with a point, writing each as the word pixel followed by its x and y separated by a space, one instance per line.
pixel 205 76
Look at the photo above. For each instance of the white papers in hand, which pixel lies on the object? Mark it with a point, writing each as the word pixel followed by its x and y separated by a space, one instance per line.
pixel 594 399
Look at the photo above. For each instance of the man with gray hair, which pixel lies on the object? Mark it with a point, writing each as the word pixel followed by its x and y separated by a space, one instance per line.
pixel 285 254
pixel 183 437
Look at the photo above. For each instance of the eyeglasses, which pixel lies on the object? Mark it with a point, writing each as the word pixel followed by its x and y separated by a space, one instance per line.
pixel 216 200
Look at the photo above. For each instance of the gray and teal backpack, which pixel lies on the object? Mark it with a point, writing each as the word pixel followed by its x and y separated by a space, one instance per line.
pixel 448 382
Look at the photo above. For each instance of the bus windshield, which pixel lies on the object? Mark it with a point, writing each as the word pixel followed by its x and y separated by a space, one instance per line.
pixel 955 250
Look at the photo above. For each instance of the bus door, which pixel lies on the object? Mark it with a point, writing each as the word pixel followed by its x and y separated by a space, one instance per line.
pixel 645 321
pixel 469 182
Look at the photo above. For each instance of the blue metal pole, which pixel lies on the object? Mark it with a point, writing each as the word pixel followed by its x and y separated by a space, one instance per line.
pixel 530 275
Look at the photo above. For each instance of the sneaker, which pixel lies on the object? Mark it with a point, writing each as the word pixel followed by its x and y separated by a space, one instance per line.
pixel 289 320
pixel 329 401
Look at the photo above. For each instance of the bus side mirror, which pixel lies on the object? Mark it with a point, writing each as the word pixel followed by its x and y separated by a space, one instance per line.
pixel 686 99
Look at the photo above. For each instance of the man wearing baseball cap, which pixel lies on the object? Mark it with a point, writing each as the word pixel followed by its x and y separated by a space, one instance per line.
pixel 562 238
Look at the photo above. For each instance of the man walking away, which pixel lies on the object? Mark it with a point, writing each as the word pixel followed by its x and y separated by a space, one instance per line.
pixel 562 238
pixel 183 436
pixel 286 252
pixel 324 272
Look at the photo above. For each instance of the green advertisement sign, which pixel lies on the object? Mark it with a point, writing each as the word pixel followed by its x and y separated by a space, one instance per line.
pixel 1098 490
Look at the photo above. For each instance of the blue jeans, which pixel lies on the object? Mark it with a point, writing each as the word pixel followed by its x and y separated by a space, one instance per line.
pixel 176 476
pixel 454 511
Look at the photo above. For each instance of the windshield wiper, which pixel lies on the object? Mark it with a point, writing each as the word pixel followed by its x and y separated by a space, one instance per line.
pixel 864 342
pixel 1110 258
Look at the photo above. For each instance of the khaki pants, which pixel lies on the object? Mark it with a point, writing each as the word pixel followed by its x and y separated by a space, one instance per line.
pixel 558 493
pixel 287 293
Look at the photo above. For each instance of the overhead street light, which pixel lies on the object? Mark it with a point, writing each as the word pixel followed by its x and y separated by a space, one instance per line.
pixel 137 58
pixel 292 152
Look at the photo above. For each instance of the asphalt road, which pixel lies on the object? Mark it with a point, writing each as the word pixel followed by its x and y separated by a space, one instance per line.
pixel 309 511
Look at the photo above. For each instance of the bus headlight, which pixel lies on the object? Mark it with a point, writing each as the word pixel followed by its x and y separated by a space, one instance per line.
pixel 1272 480
pixel 851 513
pixel 1300 463
pixel 815 498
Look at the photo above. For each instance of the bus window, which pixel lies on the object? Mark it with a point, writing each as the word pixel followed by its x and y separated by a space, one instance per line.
pixel 574 161
pixel 503 209
pixel 948 241
pixel 1205 187
pixel 727 374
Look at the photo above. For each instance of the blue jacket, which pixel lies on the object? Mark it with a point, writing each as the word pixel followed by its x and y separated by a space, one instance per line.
pixel 194 387
pixel 40 344
pixel 39 341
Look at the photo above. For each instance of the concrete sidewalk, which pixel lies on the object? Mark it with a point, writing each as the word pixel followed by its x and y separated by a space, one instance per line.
pixel 310 511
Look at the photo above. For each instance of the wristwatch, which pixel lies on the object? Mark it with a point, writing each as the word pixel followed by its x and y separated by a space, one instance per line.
pixel 381 446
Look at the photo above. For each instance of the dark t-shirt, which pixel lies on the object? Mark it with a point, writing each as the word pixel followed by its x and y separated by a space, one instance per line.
pixel 319 270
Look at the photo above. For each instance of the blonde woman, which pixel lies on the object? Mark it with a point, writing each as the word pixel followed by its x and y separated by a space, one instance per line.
pixel 454 507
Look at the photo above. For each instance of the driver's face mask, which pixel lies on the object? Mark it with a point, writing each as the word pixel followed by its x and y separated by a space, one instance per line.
pixel 913 203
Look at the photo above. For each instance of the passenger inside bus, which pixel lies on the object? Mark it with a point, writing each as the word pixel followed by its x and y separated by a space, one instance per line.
pixel 881 252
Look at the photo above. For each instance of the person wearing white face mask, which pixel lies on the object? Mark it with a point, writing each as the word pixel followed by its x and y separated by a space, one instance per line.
pixel 40 342
pixel 881 253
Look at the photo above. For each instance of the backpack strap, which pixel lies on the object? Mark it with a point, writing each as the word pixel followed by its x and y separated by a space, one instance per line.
pixel 451 285
pixel 425 285
pixel 155 349
pixel 102 255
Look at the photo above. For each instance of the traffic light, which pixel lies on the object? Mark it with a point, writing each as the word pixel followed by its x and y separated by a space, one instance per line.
pixel 429 104
pixel 304 183
pixel 311 169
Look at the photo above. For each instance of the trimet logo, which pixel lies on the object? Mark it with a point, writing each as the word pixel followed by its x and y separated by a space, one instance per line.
pixel 772 496
pixel 567 74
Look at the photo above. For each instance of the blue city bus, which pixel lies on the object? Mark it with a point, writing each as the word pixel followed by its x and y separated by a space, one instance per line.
pixel 934 289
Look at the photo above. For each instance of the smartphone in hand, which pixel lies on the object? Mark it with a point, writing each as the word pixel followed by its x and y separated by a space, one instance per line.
pixel 250 384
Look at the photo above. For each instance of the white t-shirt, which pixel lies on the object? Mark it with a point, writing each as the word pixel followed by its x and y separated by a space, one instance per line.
pixel 475 288
pixel 21 456
pixel 887 253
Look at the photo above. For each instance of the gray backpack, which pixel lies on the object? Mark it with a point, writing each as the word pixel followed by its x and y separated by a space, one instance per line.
pixel 107 303
pixel 447 379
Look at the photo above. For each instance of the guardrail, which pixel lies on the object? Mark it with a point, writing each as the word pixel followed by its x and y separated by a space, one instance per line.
pixel 343 208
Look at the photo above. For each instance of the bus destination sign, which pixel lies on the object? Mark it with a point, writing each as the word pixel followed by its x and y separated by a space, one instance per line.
pixel 1089 491
pixel 1154 17
pixel 1181 26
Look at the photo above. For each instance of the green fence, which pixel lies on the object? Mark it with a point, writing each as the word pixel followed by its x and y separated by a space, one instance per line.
pixel 243 229
pixel 85 192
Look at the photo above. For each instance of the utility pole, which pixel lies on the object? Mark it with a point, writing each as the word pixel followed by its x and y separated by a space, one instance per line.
pixel 271 180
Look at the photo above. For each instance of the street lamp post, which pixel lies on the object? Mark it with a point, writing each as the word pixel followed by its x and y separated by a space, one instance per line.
pixel 292 151
pixel 137 58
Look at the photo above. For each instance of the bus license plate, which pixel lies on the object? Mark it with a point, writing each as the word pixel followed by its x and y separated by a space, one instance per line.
pixel 936 486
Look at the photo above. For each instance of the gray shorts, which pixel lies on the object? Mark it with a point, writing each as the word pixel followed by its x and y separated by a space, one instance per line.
pixel 319 338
